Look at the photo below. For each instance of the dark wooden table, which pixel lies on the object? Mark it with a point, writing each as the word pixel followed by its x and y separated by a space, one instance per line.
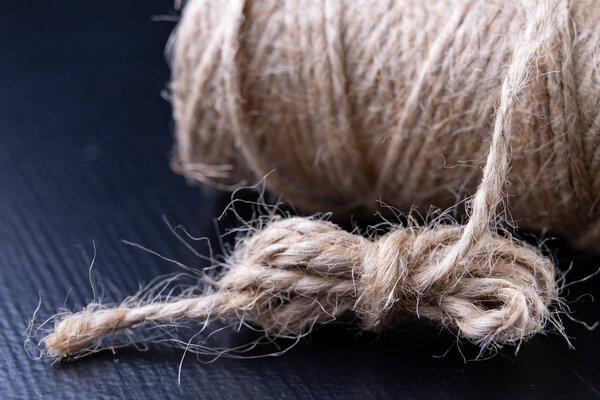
pixel 84 153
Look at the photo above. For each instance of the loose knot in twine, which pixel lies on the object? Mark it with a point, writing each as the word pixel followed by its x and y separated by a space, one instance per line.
pixel 297 272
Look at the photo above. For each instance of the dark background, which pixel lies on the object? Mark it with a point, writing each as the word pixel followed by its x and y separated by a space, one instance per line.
pixel 85 140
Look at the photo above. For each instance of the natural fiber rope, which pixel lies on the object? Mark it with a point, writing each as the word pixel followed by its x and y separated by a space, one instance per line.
pixel 297 272
pixel 349 102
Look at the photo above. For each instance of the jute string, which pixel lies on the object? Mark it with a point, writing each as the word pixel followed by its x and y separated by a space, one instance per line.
pixel 344 103
pixel 299 272
pixel 233 108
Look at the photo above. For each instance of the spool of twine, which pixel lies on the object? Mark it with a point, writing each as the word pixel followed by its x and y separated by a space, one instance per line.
pixel 414 103
pixel 351 102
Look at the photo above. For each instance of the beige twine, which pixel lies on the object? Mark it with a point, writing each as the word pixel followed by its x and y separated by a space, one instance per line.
pixel 350 101
pixel 299 272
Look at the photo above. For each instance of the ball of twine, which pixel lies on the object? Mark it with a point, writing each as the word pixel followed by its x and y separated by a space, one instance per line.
pixel 347 103
pixel 353 101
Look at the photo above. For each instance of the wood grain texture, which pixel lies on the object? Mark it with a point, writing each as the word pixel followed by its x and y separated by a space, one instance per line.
pixel 84 150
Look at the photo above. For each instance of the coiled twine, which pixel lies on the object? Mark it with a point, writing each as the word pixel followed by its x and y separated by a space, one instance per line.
pixel 351 102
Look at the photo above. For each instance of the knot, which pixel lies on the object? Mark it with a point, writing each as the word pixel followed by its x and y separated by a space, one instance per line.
pixel 499 291
pixel 307 271
pixel 385 281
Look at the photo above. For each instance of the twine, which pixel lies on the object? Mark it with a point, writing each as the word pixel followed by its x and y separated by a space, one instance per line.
pixel 260 85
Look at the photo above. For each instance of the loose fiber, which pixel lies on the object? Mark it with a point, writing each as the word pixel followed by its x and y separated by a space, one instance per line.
pixel 404 101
